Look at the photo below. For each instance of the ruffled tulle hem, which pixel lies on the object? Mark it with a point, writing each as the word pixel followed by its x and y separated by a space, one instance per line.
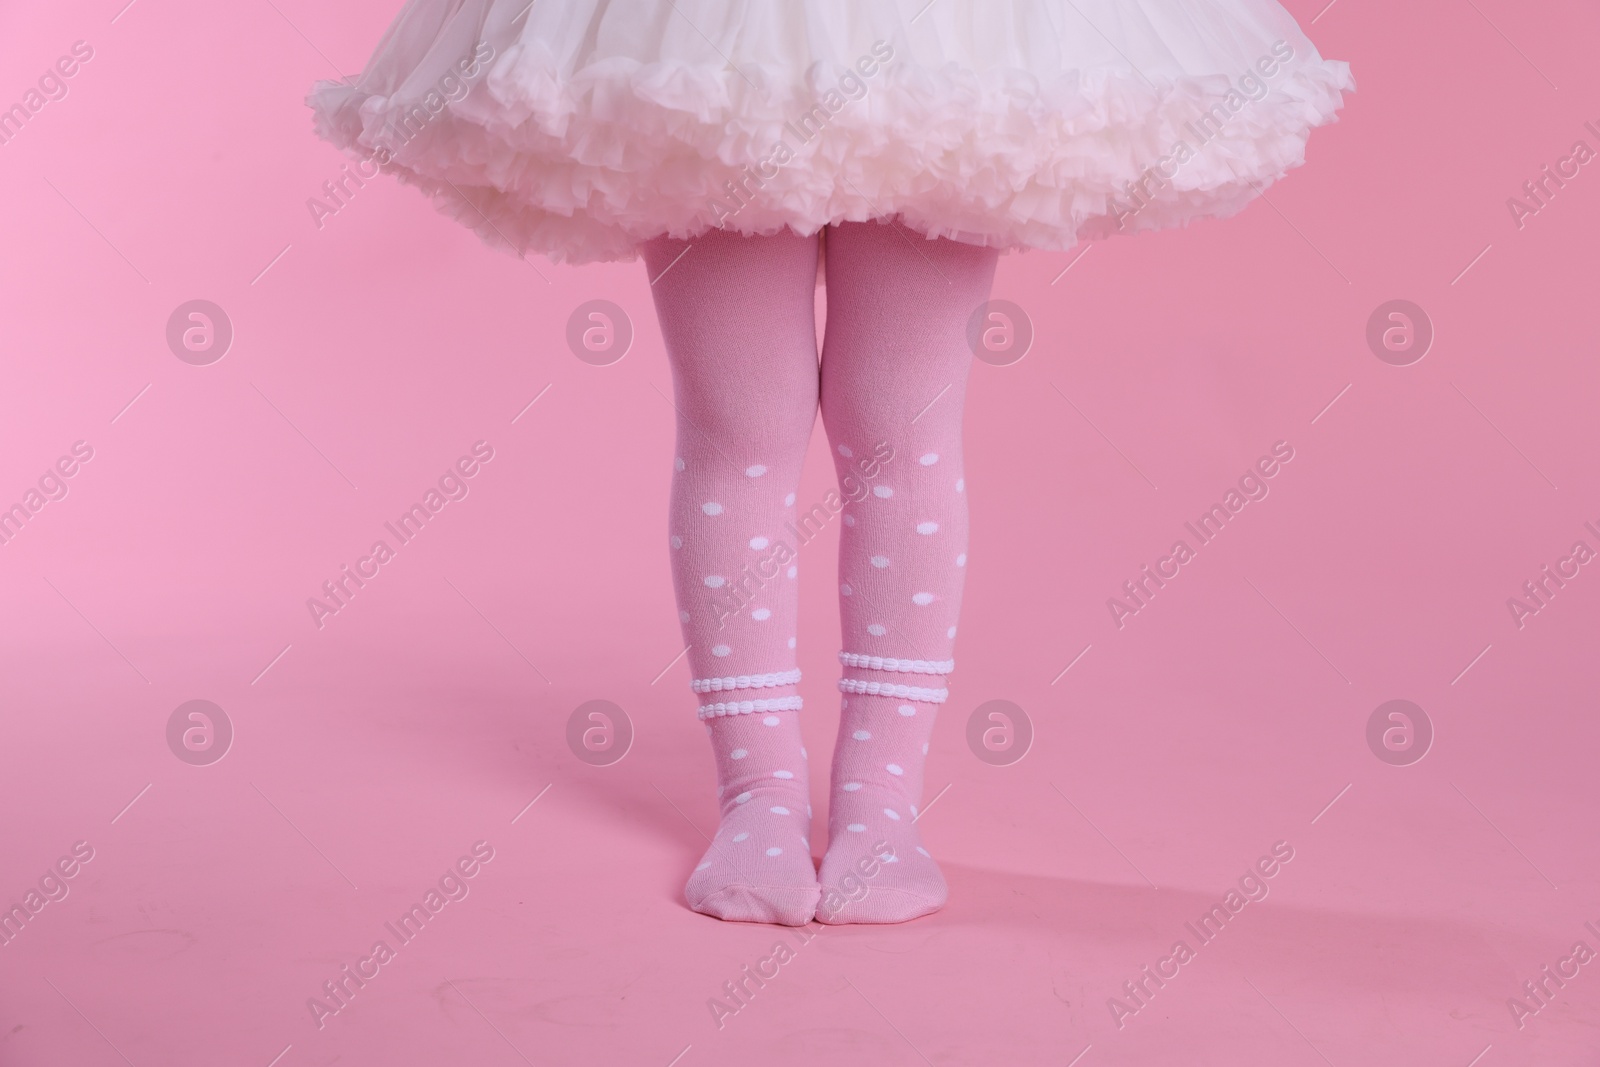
pixel 584 168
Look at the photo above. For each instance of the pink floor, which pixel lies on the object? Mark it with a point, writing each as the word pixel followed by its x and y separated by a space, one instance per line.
pixel 1227 717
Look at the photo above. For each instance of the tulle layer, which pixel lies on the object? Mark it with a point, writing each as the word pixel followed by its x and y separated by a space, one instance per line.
pixel 549 137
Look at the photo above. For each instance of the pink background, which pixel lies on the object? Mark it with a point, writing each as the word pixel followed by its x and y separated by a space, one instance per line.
pixel 427 715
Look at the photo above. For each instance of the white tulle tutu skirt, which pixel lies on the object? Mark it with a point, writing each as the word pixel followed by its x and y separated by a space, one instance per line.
pixel 579 128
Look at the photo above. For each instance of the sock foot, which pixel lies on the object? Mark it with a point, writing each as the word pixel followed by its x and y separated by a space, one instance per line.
pixel 758 868
pixel 877 873
pixel 784 905
pixel 876 869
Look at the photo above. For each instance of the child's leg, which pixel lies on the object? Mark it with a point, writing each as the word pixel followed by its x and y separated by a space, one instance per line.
pixel 894 372
pixel 737 316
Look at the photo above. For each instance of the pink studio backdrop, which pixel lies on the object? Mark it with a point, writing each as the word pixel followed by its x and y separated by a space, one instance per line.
pixel 1228 715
